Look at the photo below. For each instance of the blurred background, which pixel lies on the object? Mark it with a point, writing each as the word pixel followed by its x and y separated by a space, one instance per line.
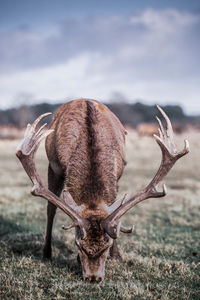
pixel 127 54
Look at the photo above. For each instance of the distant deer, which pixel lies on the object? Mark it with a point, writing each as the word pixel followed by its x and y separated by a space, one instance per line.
pixel 147 129
pixel 86 150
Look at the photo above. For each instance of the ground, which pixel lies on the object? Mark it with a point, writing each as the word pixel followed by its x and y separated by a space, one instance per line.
pixel 160 259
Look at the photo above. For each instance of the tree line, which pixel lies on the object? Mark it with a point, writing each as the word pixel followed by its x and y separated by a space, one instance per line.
pixel 129 114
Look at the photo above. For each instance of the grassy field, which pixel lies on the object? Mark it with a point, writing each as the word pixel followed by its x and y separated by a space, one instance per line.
pixel 160 260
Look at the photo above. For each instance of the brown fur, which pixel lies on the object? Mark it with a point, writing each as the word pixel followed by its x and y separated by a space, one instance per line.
pixel 88 147
pixel 87 152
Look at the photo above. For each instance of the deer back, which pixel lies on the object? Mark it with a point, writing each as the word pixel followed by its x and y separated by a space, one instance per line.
pixel 87 147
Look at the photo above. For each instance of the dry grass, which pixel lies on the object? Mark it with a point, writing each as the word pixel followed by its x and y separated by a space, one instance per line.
pixel 161 259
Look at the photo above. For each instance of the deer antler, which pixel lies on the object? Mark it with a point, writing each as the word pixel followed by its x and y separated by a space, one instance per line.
pixel 170 155
pixel 26 153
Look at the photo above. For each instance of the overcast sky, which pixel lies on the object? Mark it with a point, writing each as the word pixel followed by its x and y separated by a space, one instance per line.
pixel 105 50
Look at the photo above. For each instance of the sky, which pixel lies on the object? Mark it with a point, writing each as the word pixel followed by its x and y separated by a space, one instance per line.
pixel 147 50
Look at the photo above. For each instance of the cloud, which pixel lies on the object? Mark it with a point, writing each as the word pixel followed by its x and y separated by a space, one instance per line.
pixel 165 20
pixel 151 55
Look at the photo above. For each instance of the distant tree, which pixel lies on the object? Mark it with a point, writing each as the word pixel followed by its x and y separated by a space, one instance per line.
pixel 131 114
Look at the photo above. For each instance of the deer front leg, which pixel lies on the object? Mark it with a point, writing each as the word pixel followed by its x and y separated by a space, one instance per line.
pixel 55 184
pixel 51 211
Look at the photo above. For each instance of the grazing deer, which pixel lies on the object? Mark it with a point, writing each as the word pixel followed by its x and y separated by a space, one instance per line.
pixel 147 129
pixel 86 151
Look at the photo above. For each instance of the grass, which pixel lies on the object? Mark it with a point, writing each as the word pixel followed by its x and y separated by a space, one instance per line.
pixel 160 260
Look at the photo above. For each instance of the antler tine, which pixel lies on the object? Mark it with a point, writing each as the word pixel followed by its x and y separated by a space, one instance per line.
pixel 40 129
pixel 126 230
pixel 68 199
pixel 30 129
pixel 41 137
pixel 115 205
pixel 169 157
pixel 75 224
pixel 27 129
pixel 169 132
pixel 32 139
pixel 186 147
pixel 161 129
pixel 185 150
pixel 36 122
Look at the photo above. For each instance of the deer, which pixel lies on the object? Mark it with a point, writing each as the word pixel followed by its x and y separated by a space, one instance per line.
pixel 146 129
pixel 85 146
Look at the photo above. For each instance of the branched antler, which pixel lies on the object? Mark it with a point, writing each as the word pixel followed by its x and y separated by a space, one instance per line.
pixel 170 155
pixel 26 153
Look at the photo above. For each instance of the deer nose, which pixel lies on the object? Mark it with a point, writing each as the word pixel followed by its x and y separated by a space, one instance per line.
pixel 93 278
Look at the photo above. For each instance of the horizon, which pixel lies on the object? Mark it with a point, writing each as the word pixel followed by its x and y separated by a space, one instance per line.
pixel 113 102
